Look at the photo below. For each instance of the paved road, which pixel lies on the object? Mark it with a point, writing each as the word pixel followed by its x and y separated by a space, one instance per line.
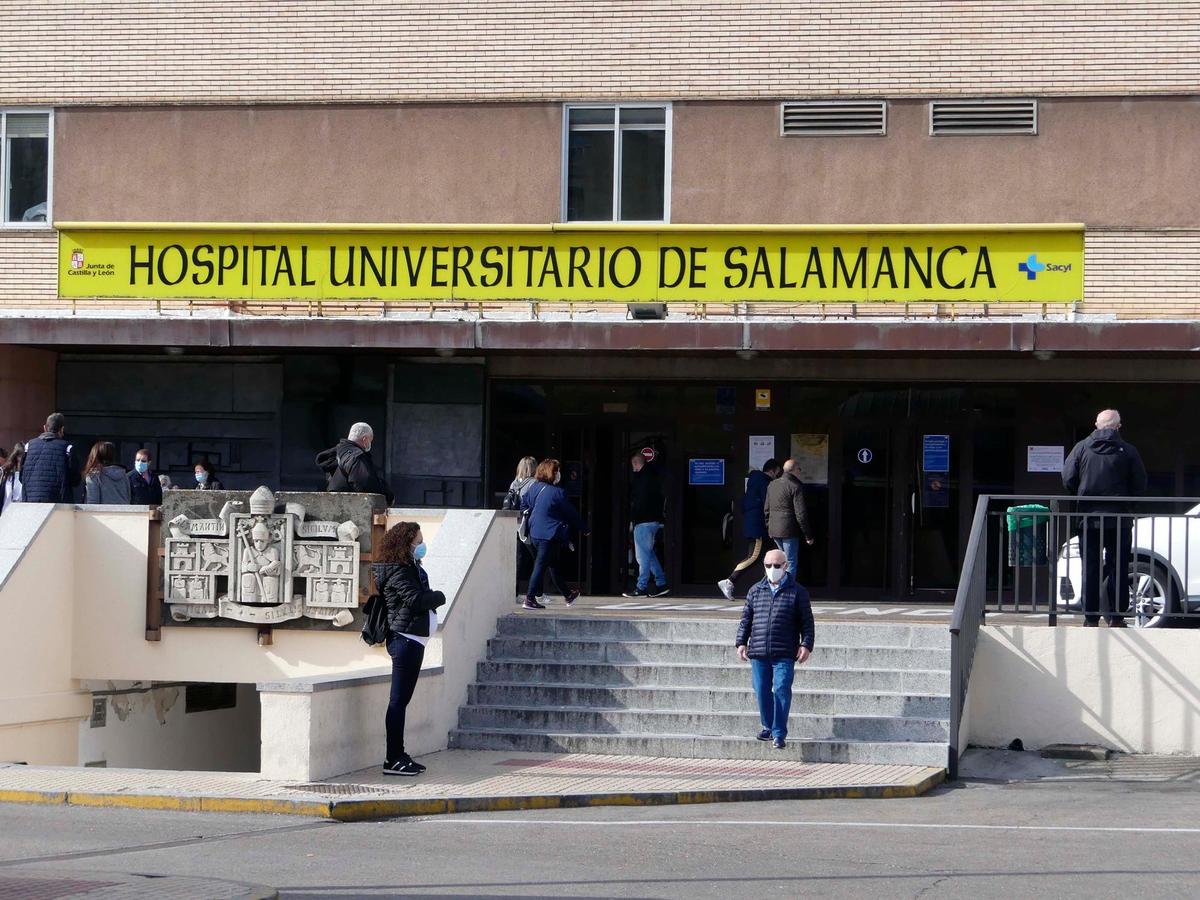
pixel 1078 839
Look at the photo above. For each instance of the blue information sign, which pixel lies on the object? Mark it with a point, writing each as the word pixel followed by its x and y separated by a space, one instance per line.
pixel 935 453
pixel 706 471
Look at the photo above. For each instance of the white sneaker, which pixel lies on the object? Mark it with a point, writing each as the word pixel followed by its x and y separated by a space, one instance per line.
pixel 726 587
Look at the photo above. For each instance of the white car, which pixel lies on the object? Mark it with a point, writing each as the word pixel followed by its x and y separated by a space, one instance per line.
pixel 1164 575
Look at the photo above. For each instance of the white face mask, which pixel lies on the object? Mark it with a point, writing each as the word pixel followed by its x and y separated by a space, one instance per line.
pixel 775 575
pixel 557 477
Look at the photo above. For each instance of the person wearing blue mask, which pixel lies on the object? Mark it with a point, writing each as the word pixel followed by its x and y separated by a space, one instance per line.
pixel 144 486
pixel 206 477
pixel 401 579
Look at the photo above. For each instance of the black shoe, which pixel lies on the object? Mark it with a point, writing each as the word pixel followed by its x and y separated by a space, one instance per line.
pixel 571 596
pixel 403 766
pixel 636 595
pixel 779 744
pixel 1091 624
pixel 405 758
pixel 765 734
pixel 1117 623
pixel 531 604
pixel 660 591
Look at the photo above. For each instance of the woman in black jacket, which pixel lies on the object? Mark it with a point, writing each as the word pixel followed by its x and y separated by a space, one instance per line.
pixel 402 581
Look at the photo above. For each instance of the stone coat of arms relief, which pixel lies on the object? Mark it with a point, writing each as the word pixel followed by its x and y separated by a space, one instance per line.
pixel 261 566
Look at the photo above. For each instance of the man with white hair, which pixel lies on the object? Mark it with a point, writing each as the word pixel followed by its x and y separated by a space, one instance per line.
pixel 776 632
pixel 349 467
pixel 1103 465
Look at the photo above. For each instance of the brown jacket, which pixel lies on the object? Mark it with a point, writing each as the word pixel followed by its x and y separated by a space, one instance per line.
pixel 787 516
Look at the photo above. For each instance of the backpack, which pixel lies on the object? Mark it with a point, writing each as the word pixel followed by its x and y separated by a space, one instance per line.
pixel 512 500
pixel 524 516
pixel 375 624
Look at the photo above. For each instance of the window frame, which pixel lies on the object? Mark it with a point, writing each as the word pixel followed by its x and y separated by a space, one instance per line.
pixel 618 155
pixel 5 112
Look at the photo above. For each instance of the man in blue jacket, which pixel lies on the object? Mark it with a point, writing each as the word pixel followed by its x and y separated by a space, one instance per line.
pixel 754 521
pixel 50 472
pixel 776 632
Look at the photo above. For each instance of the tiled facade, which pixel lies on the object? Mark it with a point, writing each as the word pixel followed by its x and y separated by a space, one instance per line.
pixel 61 53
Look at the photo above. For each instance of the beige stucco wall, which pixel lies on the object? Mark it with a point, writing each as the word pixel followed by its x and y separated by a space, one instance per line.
pixel 416 163
pixel 41 705
pixel 1104 162
pixel 1137 691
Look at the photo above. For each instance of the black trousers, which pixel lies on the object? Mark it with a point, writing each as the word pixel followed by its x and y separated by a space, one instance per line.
pixel 1106 545
pixel 546 562
pixel 754 549
pixel 406 666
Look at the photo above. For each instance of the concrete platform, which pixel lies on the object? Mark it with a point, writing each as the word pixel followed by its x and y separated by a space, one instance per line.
pixel 469 781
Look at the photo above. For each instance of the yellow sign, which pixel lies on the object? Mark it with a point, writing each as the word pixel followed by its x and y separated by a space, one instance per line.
pixel 762 398
pixel 555 263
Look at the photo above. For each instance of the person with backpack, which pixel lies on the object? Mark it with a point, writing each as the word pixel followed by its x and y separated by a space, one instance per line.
pixel 548 517
pixel 521 482
pixel 348 466
pixel 50 473
pixel 411 621
pixel 103 480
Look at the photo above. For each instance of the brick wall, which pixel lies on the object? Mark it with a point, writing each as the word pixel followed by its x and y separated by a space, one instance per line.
pixel 1156 272
pixel 28 267
pixel 62 52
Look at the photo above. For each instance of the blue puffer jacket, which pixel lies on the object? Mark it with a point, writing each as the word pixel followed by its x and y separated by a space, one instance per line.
pixel 754 520
pixel 49 471
pixel 775 625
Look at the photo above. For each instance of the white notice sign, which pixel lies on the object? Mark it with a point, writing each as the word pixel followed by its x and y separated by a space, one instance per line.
pixel 762 448
pixel 1044 458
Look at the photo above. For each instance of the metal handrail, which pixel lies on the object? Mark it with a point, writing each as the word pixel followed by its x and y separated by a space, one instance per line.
pixel 969 611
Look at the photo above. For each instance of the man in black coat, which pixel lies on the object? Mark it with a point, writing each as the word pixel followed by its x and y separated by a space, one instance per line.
pixel 50 472
pixel 349 467
pixel 776 632
pixel 1103 465
pixel 144 487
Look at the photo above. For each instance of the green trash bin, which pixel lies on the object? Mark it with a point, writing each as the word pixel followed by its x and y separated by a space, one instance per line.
pixel 1027 534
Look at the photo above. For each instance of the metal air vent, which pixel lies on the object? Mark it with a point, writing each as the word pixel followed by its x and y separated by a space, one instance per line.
pixel 982 117
pixel 819 118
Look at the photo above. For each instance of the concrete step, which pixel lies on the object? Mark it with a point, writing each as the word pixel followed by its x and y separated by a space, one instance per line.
pixel 721 630
pixel 701 747
pixel 696 699
pixel 660 675
pixel 708 652
pixel 802 726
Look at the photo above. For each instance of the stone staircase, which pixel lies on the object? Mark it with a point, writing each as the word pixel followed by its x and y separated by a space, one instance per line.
pixel 874 692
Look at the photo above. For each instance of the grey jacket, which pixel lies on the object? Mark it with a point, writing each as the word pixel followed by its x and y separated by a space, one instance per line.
pixel 109 485
pixel 787 516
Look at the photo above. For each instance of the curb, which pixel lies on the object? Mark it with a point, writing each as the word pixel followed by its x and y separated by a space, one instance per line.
pixel 365 810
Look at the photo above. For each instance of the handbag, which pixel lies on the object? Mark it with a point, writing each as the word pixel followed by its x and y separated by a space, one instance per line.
pixel 375 624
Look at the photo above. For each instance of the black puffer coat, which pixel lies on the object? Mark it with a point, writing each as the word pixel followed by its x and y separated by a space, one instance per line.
pixel 774 626
pixel 49 472
pixel 405 587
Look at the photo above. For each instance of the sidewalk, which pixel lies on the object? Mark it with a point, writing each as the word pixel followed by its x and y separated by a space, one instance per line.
pixel 469 781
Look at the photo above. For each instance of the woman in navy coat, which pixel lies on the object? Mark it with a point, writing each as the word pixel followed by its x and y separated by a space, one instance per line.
pixel 551 518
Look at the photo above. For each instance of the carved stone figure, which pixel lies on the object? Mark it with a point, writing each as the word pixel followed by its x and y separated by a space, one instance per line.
pixel 338 597
pixel 213 557
pixel 321 592
pixel 259 568
pixel 196 588
pixel 178 588
pixel 308 559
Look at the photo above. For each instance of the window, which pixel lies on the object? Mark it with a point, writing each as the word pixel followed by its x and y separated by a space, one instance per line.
pixel 617 163
pixel 25 164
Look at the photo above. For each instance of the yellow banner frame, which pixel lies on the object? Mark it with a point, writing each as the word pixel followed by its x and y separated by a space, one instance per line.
pixel 580 263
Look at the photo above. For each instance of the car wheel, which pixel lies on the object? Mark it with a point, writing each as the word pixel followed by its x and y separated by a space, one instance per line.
pixel 1152 595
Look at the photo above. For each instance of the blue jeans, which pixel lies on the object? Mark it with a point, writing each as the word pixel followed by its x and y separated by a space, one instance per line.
pixel 791 549
pixel 772 680
pixel 647 560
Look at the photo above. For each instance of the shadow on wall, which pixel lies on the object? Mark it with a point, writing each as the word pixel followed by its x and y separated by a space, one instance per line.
pixel 1137 691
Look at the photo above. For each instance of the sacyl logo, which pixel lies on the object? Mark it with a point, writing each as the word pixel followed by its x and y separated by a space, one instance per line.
pixel 1031 267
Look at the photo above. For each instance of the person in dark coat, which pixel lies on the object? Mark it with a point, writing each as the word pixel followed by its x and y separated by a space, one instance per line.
pixel 776 632
pixel 754 522
pixel 348 465
pixel 401 579
pixel 787 515
pixel 144 487
pixel 646 515
pixel 49 473
pixel 206 477
pixel 1103 465
pixel 551 518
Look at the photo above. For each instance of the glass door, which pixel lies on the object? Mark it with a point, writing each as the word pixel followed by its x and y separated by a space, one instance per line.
pixel 866 505
pixel 933 498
